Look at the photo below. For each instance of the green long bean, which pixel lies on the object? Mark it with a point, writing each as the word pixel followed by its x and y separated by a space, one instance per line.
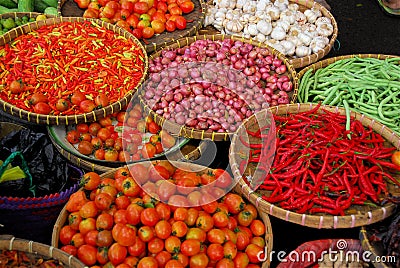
pixel 366 85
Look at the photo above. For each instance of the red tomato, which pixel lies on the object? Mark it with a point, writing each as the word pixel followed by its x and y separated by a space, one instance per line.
pixel 104 221
pixel 172 244
pixel 396 158
pixel 101 100
pixel 190 247
pixel 243 240
pixel 62 105
pixel 66 234
pixel 133 213
pixel 215 252
pixel 137 248
pixel 140 7
pixel 126 234
pixel 241 260
pixel 74 219
pixel 90 180
pixel 122 202
pixel 16 86
pixel 91 13
pixel 148 32
pixel 111 155
pixel 87 225
pixel 163 257
pixel 117 253
pixel 158 15
pixel 146 233
pixel 128 5
pixel 88 210
pixel 162 6
pixel 123 24
pixel 87 106
pixel 87 254
pixel 37 97
pixel 225 263
pixel 204 221
pixel 82 128
pixel 180 22
pixel 85 147
pixel 234 203
pixel 148 262
pixel 155 245
pixel 257 227
pixel 187 6
pixel 99 154
pixel 42 108
pixel 197 234
pixel 104 133
pixel 148 150
pixel 199 261
pixel 70 249
pixel 77 97
pixel 91 238
pixel 216 236
pixel 138 33
pixel 102 255
pixel 152 126
pixel 149 217
pixel 163 229
pixel 85 137
pixel 244 218
pixel 83 4
pixel 94 128
pixel 170 26
pixel 230 250
pixel 77 240
pixel 73 136
pixel 103 201
pixel 130 187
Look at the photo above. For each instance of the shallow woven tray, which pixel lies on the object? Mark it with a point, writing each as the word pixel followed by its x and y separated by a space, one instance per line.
pixel 70 119
pixel 21 14
pixel 304 61
pixel 8 242
pixel 375 250
pixel 189 152
pixel 62 218
pixel 365 214
pixel 69 8
pixel 192 133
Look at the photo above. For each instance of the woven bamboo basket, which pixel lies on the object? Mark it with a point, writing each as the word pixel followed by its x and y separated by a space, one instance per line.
pixel 39 250
pixel 307 60
pixel 357 215
pixel 375 250
pixel 189 152
pixel 21 14
pixel 63 216
pixel 78 118
pixel 311 253
pixel 191 133
pixel 68 8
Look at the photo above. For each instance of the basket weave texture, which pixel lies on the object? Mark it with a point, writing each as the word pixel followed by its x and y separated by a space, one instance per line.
pixel 63 216
pixel 79 118
pixel 299 63
pixel 357 215
pixel 374 250
pixel 68 8
pixel 39 250
pixel 191 133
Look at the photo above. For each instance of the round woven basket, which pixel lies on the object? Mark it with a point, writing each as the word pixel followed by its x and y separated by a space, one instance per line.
pixel 192 133
pixel 68 8
pixel 63 216
pixel 307 60
pixel 357 215
pixel 190 151
pixel 21 14
pixel 375 250
pixel 39 250
pixel 78 118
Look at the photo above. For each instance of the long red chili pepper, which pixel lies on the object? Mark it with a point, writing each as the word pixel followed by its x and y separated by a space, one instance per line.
pixel 317 169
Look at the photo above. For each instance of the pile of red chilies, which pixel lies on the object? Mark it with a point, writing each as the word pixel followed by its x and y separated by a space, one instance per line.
pixel 317 168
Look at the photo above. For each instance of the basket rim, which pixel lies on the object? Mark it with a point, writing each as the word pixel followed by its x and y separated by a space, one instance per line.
pixel 151 46
pixel 10 242
pixel 367 246
pixel 190 132
pixel 320 221
pixel 62 217
pixel 77 118
pixel 325 62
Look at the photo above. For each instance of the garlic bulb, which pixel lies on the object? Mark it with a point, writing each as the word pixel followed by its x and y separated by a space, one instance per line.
pixel 289 47
pixel 241 3
pixel 302 51
pixel 232 14
pixel 312 15
pixel 262 5
pixel 310 29
pixel 301 19
pixel 318 43
pixel 325 29
pixel 264 27
pixel 275 44
pixel 305 38
pixel 294 39
pixel 273 12
pixel 254 19
pixel 245 18
pixel 294 30
pixel 278 33
pixel 221 13
pixel 234 26
pixel 225 3
pixel 323 20
pixel 293 7
pixel 288 16
pixel 250 7
pixel 252 29
pixel 218 22
pixel 281 4
pixel 260 37
pixel 284 24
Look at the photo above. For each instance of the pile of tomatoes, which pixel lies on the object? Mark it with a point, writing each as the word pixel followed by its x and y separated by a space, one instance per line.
pixel 112 222
pixel 143 18
pixel 120 137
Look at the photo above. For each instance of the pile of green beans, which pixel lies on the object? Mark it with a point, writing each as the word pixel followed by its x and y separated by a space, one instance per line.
pixel 369 86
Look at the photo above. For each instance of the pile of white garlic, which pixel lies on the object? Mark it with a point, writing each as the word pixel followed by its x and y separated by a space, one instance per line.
pixel 279 24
